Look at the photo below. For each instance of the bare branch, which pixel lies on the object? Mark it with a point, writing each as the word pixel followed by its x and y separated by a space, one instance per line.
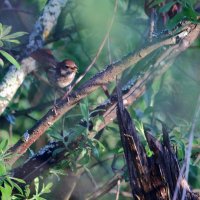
pixel 131 92
pixel 101 78
pixel 106 187
pixel 185 166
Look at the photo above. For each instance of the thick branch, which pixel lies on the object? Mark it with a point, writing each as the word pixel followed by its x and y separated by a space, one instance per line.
pixel 131 92
pixel 63 106
pixel 104 77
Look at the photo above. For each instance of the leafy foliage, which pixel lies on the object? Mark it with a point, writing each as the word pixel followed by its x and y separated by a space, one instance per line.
pixel 5 38
pixel 15 188
pixel 170 99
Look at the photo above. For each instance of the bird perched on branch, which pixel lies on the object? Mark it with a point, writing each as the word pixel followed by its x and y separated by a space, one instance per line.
pixel 59 74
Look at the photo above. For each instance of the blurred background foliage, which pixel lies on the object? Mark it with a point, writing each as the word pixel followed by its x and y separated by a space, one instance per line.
pixel 79 32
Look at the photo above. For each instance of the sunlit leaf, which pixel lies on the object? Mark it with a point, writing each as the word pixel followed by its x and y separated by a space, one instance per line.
pixel 2 169
pixel 27 191
pixel 10 58
pixel 14 35
pixel 36 182
pixel 18 180
pixel 1 43
pixel 6 30
pixel 3 144
pixel 47 188
pixel 6 191
pixel 13 41
pixel 1 62
pixel 1 29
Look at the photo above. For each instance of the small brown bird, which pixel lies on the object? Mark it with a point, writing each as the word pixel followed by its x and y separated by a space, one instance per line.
pixel 59 74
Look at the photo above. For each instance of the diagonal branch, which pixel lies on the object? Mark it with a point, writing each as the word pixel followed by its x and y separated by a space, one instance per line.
pixel 101 78
pixel 131 92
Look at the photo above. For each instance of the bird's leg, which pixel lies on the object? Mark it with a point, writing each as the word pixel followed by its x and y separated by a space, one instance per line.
pixel 55 103
pixel 66 95
pixel 55 95
pixel 68 91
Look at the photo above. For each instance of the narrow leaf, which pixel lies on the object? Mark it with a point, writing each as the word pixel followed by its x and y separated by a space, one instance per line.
pixel 10 58
pixel 14 35
pixel 1 43
pixel 166 7
pixel 1 29
pixel 3 144
pixel 6 30
pixel 13 41
pixel 1 62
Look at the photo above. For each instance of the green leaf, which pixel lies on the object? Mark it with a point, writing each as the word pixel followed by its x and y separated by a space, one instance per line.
pixel 3 144
pixel 84 160
pixel 1 43
pixel 6 191
pixel 14 35
pixel 57 151
pixel 2 169
pixel 10 181
pixel 166 7
pixel 190 13
pixel 27 191
pixel 36 182
pixel 47 188
pixel 1 62
pixel 58 172
pixel 101 146
pixel 174 21
pixel 148 151
pixel 194 176
pixel 155 3
pixel 6 31
pixel 120 150
pixel 10 59
pixel 84 110
pixel 13 41
pixel 18 188
pixel 95 152
pixel 1 29
pixel 18 180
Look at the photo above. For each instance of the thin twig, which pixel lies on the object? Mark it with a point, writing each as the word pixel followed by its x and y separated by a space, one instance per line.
pixel 118 189
pixel 11 133
pixel 105 188
pixel 185 166
pixel 97 54
pixel 81 41
pixel 109 50
pixel 191 137
pixel 90 176
pixel 85 51
pixel 73 185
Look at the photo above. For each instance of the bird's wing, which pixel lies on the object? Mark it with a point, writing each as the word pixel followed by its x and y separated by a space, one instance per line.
pixel 44 57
